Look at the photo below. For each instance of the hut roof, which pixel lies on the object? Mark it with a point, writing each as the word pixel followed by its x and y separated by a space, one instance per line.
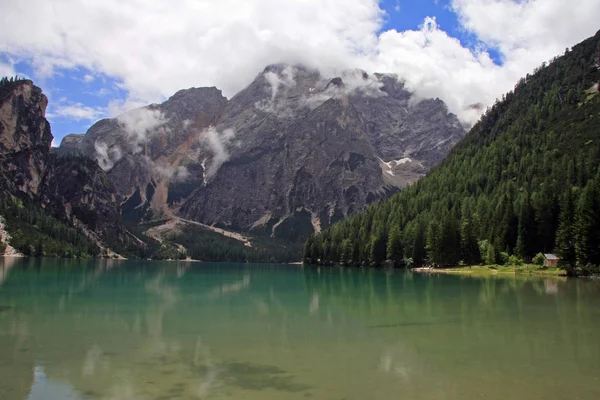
pixel 551 257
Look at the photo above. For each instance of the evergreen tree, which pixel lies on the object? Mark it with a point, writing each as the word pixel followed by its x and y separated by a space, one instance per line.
pixel 394 245
pixel 587 226
pixel 565 236
pixel 378 249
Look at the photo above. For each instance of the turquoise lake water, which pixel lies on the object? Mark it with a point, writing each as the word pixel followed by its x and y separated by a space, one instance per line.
pixel 164 330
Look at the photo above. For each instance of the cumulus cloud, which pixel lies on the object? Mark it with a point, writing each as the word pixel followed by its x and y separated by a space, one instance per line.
pixel 6 70
pixel 87 78
pixel 155 48
pixel 76 111
pixel 216 142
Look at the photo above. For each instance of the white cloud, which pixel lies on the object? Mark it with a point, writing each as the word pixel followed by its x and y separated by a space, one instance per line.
pixel 87 78
pixel 141 124
pixel 275 80
pixel 76 111
pixel 156 48
pixel 6 70
pixel 164 170
pixel 107 156
pixel 217 143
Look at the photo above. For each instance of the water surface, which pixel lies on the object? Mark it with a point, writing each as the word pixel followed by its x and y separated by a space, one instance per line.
pixel 159 330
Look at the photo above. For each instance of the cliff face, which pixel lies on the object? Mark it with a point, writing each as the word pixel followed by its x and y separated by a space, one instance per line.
pixel 25 137
pixel 77 189
pixel 311 172
pixel 291 153
pixel 148 150
pixel 72 189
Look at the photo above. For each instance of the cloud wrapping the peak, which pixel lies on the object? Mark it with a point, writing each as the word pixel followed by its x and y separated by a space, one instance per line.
pixel 216 143
pixel 155 47
pixel 107 156
pixel 141 124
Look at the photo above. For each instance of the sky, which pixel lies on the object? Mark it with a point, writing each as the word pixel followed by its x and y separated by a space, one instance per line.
pixel 98 58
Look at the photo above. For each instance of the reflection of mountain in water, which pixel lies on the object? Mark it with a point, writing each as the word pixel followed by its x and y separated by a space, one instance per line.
pixel 114 351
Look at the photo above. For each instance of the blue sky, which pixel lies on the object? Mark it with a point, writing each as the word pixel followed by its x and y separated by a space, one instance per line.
pixel 97 60
pixel 409 15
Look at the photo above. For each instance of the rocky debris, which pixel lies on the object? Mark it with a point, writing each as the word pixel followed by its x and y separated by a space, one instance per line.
pixel 5 247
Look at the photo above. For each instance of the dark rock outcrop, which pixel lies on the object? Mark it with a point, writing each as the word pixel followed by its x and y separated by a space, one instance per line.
pixel 76 188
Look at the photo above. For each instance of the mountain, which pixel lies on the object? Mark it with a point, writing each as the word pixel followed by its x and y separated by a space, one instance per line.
pixel 52 205
pixel 524 180
pixel 288 155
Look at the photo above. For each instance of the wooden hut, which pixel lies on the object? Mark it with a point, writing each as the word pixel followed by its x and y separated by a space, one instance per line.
pixel 551 260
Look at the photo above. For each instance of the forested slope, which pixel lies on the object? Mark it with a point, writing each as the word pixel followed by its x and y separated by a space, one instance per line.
pixel 524 180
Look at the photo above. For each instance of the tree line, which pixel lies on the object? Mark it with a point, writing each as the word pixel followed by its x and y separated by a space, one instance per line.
pixel 35 233
pixel 205 245
pixel 524 180
pixel 6 80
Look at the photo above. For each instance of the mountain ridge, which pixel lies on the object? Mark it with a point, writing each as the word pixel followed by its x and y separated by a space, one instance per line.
pixel 219 139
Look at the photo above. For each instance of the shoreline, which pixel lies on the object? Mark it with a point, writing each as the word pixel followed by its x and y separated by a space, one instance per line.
pixel 489 270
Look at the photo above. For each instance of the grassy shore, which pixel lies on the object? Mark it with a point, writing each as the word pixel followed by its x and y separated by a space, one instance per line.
pixel 485 270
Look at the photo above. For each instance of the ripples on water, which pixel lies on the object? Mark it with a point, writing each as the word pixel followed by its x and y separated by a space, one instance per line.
pixel 151 330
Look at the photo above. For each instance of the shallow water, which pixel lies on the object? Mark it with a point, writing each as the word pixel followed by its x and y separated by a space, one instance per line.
pixel 154 330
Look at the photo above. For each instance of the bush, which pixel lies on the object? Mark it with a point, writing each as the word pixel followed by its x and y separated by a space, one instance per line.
pixel 539 259
pixel 515 261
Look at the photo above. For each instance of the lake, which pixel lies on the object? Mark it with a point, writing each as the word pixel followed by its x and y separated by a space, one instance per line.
pixel 154 330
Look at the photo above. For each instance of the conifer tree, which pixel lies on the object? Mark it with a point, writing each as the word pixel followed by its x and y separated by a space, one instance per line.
pixel 394 245
pixel 565 238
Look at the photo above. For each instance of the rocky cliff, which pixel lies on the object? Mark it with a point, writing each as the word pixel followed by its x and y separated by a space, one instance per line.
pixel 74 190
pixel 291 153
pixel 24 137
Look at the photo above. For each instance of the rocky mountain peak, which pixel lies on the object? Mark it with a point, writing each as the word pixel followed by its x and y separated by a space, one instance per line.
pixel 195 93
pixel 293 147
pixel 337 82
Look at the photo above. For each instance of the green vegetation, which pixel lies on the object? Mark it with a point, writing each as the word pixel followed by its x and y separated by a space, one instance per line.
pixel 487 270
pixel 205 245
pixel 8 80
pixel 35 233
pixel 524 180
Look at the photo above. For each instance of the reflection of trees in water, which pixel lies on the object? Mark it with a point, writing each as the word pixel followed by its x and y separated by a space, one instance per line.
pixel 361 290
pixel 503 324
